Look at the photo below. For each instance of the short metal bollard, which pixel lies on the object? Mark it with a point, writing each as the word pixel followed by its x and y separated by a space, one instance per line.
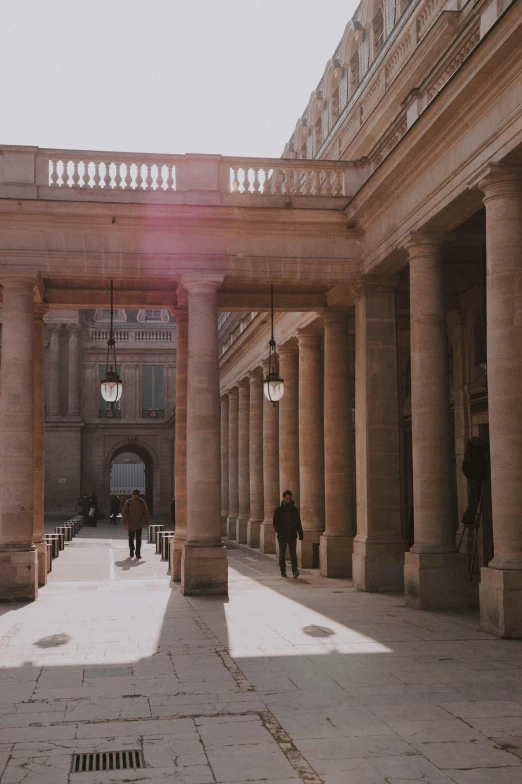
pixel 49 557
pixel 166 538
pixel 54 541
pixel 152 532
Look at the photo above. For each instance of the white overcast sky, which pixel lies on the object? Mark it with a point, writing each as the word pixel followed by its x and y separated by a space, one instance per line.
pixel 174 76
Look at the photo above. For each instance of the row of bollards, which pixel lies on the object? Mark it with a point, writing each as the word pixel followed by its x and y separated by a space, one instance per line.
pixel 63 533
pixel 162 540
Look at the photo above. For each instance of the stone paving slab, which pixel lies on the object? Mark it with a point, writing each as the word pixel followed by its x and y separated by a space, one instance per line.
pixel 285 681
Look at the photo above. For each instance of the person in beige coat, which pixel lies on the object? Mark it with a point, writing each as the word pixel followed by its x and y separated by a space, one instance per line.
pixel 134 516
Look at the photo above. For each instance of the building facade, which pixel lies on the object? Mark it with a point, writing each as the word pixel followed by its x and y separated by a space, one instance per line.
pixel 84 436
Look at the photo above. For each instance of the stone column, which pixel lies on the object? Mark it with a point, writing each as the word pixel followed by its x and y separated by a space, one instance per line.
pixel 256 457
pixel 224 464
pixel 53 386
pixel 243 457
pixel 204 568
pixel 180 446
pixel 39 443
pixel 289 420
pixel 233 491
pixel 311 446
pixel 434 573
pixel 18 556
pixel 501 580
pixel 271 495
pixel 73 397
pixel 378 548
pixel 336 546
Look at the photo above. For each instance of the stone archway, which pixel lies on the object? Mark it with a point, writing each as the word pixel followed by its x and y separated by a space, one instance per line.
pixel 145 456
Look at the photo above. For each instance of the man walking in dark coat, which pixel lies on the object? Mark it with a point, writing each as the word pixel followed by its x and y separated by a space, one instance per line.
pixel 287 524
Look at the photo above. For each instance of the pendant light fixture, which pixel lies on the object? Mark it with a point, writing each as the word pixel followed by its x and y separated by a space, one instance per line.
pixel 273 386
pixel 111 385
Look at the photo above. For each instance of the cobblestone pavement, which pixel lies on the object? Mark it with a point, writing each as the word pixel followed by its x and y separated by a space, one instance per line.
pixel 286 681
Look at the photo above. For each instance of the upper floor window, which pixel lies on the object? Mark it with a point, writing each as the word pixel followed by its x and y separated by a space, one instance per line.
pixel 318 132
pixel 310 147
pixel 365 52
pixel 325 125
pixel 355 75
pixel 335 106
pixel 390 6
pixel 104 314
pixel 343 89
pixel 152 315
pixel 378 31
pixel 152 391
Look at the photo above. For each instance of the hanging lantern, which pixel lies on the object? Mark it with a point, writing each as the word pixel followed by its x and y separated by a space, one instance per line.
pixel 273 385
pixel 111 385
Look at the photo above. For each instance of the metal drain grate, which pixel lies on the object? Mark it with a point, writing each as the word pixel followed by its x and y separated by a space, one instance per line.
pixel 107 760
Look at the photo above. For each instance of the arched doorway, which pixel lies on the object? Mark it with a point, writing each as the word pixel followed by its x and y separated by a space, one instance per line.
pixel 132 465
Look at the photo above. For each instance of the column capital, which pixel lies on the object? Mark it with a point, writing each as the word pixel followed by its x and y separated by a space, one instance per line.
pixel 181 314
pixel 13 280
pixel 375 284
pixel 336 316
pixel 202 285
pixel 498 179
pixel 234 391
pixel 255 374
pixel 310 336
pixel 244 383
pixel 54 326
pixel 290 348
pixel 223 400
pixel 40 310
pixel 427 242
pixel 75 328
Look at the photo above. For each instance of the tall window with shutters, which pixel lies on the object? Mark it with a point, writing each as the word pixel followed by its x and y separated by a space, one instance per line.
pixel 104 409
pixel 365 52
pixel 343 89
pixel 152 392
pixel 355 75
pixel 390 6
pixel 378 31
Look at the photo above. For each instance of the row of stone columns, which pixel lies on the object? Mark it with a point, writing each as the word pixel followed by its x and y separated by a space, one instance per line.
pixel 301 445
pixel 73 366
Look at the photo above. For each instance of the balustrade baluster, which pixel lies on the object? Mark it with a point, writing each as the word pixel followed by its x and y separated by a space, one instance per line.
pixel 170 178
pixel 128 176
pixel 139 178
pixel 85 176
pixel 256 183
pixel 337 184
pixel 235 181
pixel 75 176
pixel 117 176
pixel 159 179
pixel 268 183
pixel 278 177
pixel 107 180
pixel 97 174
pixel 53 167
pixel 148 179
pixel 307 186
pixel 327 185
pixel 65 175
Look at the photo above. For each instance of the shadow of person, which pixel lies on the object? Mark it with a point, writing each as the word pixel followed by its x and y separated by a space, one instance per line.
pixel 53 641
pixel 128 563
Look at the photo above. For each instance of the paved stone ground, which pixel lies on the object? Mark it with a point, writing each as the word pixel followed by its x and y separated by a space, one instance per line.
pixel 285 682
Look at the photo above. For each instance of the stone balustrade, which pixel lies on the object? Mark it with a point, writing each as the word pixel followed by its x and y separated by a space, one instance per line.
pixel 75 175
pixel 133 336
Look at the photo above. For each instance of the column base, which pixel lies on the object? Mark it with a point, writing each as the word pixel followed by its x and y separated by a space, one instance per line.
pixel 224 519
pixel 436 581
pixel 232 528
pixel 176 546
pixel 242 530
pixel 500 593
pixel 335 556
pixel 43 567
pixel 18 575
pixel 377 567
pixel 253 533
pixel 204 571
pixel 308 550
pixel 267 538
